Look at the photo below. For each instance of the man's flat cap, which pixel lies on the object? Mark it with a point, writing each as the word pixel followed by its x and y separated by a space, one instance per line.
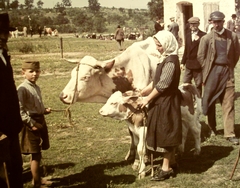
pixel 193 20
pixel 217 15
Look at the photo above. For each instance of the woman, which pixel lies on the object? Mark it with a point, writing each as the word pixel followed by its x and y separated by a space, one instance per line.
pixel 164 115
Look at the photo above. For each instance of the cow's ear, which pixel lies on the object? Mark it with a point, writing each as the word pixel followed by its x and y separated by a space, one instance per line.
pixel 130 99
pixel 109 66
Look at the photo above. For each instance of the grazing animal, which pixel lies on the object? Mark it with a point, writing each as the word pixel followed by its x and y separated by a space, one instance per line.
pixel 95 81
pixel 123 106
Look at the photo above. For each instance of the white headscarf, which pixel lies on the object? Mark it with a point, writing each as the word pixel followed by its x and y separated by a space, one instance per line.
pixel 168 42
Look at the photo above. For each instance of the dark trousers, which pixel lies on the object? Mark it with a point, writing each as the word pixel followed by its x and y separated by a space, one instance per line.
pixel 14 165
pixel 195 74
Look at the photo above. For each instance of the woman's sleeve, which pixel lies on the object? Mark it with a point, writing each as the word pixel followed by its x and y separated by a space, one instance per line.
pixel 166 77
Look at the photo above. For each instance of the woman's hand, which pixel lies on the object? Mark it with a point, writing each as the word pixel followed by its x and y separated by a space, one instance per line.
pixel 143 103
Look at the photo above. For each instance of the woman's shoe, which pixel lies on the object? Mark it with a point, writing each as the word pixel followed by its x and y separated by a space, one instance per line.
pixel 162 175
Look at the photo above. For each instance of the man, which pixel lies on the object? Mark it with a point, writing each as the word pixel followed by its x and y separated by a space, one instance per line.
pixel 193 69
pixel 157 25
pixel 231 24
pixel 218 54
pixel 173 27
pixel 10 119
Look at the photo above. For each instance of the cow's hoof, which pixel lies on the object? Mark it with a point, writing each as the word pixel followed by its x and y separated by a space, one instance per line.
pixel 141 175
pixel 130 156
pixel 135 165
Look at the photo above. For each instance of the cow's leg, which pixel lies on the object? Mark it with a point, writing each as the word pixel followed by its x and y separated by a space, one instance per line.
pixel 136 162
pixel 196 131
pixel 185 127
pixel 141 148
pixel 131 155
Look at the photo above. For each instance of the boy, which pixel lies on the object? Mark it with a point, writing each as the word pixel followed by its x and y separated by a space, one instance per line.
pixel 34 135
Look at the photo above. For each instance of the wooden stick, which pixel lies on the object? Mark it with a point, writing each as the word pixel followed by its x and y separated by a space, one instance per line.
pixel 235 165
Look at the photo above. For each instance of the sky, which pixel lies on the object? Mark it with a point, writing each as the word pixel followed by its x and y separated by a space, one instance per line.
pixel 140 4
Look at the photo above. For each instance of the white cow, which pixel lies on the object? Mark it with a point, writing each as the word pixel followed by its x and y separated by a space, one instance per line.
pixel 95 81
pixel 123 106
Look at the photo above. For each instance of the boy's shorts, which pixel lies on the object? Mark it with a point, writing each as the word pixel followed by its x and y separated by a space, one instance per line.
pixel 34 141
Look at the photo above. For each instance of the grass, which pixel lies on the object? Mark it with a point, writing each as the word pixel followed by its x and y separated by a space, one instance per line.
pixel 91 152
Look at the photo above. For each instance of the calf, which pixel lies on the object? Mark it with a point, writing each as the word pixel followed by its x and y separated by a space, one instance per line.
pixel 123 106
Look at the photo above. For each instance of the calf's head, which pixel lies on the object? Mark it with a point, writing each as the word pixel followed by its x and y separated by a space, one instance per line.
pixel 121 105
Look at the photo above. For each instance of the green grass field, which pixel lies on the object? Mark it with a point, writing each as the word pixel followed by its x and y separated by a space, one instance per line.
pixel 91 152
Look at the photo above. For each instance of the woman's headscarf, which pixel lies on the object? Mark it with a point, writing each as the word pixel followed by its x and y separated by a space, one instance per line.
pixel 168 42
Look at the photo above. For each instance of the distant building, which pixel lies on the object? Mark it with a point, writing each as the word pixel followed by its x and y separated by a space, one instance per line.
pixel 183 10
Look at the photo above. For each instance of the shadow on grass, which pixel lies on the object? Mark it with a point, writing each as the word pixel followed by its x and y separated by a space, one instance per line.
pixel 93 176
pixel 209 155
pixel 45 170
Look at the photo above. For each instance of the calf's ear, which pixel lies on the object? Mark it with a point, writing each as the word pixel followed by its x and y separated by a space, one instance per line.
pixel 109 66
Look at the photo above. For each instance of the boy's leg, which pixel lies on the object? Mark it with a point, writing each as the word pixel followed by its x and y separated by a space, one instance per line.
pixel 35 169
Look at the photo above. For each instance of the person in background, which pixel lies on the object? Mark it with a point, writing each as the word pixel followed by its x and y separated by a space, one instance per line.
pixel 164 125
pixel 34 135
pixel 173 28
pixel 40 31
pixel 231 24
pixel 119 37
pixel 209 26
pixel 218 53
pixel 157 25
pixel 189 63
pixel 10 119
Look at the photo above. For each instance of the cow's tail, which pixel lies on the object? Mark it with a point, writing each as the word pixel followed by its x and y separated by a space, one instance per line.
pixel 197 97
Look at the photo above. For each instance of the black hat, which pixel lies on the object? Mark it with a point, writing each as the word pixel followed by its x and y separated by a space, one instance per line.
pixel 234 15
pixel 4 23
pixel 217 15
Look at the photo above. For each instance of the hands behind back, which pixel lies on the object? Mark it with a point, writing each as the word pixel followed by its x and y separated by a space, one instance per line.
pixel 37 126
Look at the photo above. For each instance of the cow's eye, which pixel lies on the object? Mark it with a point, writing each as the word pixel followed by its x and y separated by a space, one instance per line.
pixel 97 67
pixel 114 103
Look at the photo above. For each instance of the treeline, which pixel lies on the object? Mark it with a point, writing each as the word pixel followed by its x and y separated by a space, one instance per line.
pixel 79 20
pixel 91 19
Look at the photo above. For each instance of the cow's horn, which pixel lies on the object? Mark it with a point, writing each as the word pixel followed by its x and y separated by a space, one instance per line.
pixel 72 60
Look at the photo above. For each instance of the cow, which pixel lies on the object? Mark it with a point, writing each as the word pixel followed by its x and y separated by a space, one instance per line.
pixel 123 106
pixel 94 81
pixel 47 31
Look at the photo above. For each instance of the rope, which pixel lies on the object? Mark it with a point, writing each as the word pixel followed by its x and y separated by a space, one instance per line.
pixel 67 112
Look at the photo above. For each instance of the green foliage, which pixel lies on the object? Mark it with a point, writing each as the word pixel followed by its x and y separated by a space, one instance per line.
pixel 156 8
pixel 94 5
pixel 81 19
pixel 26 48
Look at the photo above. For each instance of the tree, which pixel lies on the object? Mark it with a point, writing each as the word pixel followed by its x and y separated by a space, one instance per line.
pixel 93 5
pixel 67 3
pixel 14 5
pixel 155 8
pixel 40 4
pixel 59 7
pixel 28 4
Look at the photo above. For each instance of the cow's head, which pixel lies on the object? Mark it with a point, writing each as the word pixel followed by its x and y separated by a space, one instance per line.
pixel 87 81
pixel 121 105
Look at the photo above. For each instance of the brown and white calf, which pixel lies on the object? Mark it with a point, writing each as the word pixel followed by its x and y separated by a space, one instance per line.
pixel 123 106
